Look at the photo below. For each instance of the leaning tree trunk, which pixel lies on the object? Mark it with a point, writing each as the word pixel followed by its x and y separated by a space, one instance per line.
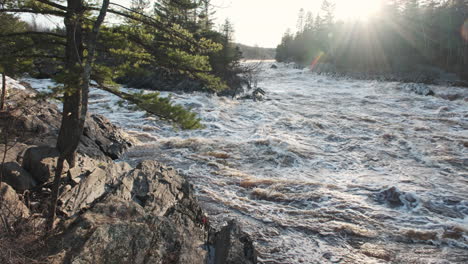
pixel 75 104
pixel 2 104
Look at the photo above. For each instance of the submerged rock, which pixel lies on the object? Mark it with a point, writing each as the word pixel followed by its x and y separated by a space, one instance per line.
pixel 257 95
pixel 417 88
pixel 395 198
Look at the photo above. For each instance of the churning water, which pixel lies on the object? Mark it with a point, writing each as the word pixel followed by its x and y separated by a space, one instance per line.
pixel 325 170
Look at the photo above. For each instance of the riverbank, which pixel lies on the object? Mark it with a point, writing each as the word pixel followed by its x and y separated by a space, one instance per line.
pixel 109 212
pixel 419 74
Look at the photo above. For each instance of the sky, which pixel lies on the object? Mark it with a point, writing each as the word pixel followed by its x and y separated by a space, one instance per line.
pixel 263 22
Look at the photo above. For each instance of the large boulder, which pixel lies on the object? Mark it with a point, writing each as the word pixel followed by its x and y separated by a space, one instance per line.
pixel 102 137
pixel 17 177
pixel 142 215
pixel 85 193
pixel 89 181
pixel 41 163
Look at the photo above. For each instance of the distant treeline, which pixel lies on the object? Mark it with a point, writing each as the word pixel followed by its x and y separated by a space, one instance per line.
pixel 256 53
pixel 402 37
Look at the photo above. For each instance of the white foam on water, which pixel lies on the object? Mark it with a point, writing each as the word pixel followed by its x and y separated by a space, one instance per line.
pixel 302 169
pixel 12 83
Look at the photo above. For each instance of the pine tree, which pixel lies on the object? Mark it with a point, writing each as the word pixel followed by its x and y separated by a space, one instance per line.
pixel 300 21
pixel 12 50
pixel 80 41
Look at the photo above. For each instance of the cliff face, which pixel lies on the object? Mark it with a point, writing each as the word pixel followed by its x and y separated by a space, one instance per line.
pixel 108 212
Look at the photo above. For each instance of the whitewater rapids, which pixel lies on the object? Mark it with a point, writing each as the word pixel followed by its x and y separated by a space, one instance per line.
pixel 326 170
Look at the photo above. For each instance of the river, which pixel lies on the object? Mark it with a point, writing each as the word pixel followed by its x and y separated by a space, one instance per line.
pixel 325 170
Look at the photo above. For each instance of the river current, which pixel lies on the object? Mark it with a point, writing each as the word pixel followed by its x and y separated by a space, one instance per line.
pixel 325 170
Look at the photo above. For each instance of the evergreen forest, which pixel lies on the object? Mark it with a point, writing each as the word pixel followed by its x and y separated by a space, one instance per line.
pixel 405 36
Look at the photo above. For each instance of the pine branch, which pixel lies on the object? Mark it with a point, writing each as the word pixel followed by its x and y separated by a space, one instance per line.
pixel 160 107
pixel 33 11
pixel 27 33
pixel 52 4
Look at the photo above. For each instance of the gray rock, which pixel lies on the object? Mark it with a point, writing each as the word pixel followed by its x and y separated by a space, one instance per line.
pixel 417 88
pixel 101 136
pixel 233 246
pixel 15 152
pixel 143 215
pixel 460 83
pixel 11 207
pixel 396 198
pixel 18 178
pixel 37 122
pixel 85 193
pixel 41 163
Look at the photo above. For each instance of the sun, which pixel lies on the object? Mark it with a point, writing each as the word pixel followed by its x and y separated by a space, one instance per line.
pixel 358 9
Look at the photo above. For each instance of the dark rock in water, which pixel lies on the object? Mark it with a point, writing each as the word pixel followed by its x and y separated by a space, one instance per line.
pixel 257 95
pixel 417 88
pixel 396 198
pixel 460 83
pixel 274 66
pixel 17 177
pixel 232 246
pixel 298 66
pixel 391 196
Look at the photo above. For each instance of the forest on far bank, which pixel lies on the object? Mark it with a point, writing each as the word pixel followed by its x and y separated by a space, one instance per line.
pixel 403 37
pixel 256 52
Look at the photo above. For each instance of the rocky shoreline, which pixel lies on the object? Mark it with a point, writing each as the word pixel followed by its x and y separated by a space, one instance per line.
pixel 109 212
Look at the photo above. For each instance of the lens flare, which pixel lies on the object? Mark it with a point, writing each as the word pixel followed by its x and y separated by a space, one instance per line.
pixel 464 31
pixel 316 60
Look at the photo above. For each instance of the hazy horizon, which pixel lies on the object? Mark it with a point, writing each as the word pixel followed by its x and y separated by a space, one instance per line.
pixel 263 22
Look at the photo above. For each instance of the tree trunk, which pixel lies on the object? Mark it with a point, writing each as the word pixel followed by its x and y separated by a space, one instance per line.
pixel 75 104
pixel 2 104
pixel 70 129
